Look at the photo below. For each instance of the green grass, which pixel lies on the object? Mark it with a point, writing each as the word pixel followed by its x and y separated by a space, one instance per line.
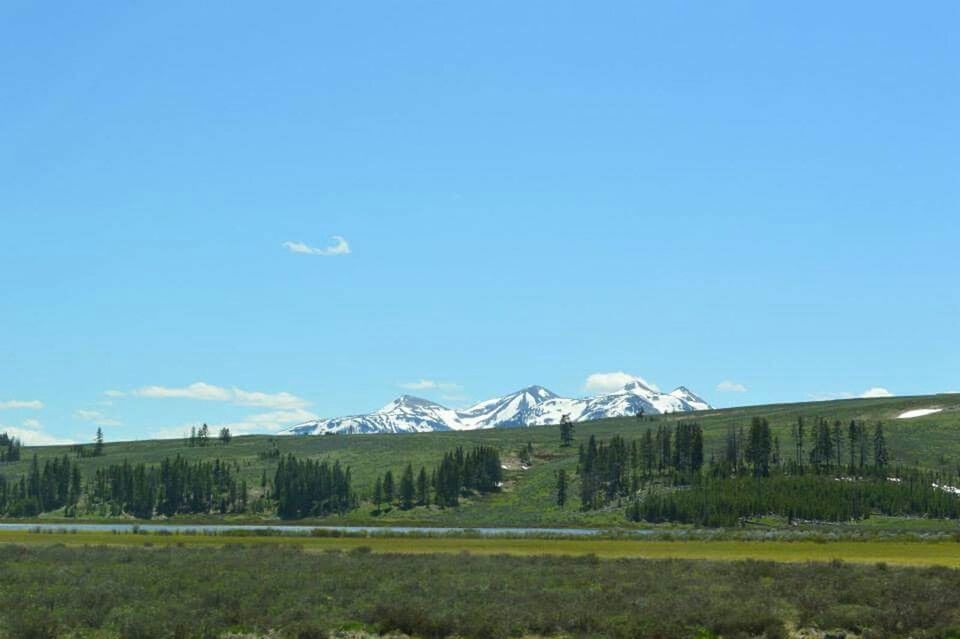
pixel 528 499
pixel 256 590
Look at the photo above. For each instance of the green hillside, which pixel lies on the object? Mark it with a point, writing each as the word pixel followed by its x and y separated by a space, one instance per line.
pixel 932 442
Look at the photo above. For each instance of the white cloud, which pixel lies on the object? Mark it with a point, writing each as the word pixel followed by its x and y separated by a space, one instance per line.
pixel 727 386
pixel 209 392
pixel 826 397
pixel 340 247
pixel 31 433
pixel 270 422
pixel 34 404
pixel 114 393
pixel 610 382
pixel 876 391
pixel 96 417
pixel 429 384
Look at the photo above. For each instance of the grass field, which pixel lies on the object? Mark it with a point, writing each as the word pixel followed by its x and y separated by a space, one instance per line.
pixel 528 499
pixel 279 591
pixel 906 553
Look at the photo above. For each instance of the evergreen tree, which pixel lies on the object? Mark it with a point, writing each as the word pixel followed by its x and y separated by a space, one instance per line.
pixel 407 488
pixel 378 493
pixel 562 487
pixel 225 435
pixel 98 443
pixel 759 447
pixel 647 452
pixel 566 431
pixel 853 438
pixel 388 487
pixel 880 458
pixel 837 443
pixel 423 488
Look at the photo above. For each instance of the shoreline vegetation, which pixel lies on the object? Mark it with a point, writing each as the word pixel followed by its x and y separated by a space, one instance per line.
pixel 899 550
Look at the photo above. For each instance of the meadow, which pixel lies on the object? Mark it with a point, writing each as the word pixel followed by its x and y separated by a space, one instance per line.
pixel 284 591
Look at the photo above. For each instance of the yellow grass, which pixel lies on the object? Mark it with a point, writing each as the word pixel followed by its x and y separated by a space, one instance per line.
pixel 941 553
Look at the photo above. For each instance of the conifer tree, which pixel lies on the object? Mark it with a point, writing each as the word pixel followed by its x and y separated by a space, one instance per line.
pixel 879 448
pixel 378 493
pixel 423 488
pixel 562 487
pixel 388 487
pixel 407 488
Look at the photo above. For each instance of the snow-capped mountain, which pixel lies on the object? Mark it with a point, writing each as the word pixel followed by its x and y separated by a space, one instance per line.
pixel 691 399
pixel 405 414
pixel 534 405
pixel 515 409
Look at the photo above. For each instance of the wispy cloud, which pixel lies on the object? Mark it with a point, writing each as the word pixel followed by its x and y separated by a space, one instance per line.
pixel 96 417
pixel 728 386
pixel 210 392
pixel 114 393
pixel 31 433
pixel 9 404
pixel 876 391
pixel 829 396
pixel 610 382
pixel 340 247
pixel 269 422
pixel 429 384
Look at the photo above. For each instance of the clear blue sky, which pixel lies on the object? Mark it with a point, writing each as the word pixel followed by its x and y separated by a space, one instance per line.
pixel 721 195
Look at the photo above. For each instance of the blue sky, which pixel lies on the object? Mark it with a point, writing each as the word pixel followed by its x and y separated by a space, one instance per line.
pixel 756 200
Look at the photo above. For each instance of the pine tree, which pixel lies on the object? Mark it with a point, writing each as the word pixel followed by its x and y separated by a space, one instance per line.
pixel 225 435
pixel 759 447
pixel 98 443
pixel 388 487
pixel 562 487
pixel 880 458
pixel 852 439
pixel 378 492
pixel 423 488
pixel 647 452
pixel 837 443
pixel 407 488
pixel 566 431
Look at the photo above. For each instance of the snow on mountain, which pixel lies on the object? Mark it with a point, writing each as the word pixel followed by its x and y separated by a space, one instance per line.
pixel 530 406
pixel 513 410
pixel 686 395
pixel 406 414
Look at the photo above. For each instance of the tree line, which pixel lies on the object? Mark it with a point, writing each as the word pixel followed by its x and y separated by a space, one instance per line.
pixel 459 473
pixel 56 484
pixel 311 488
pixel 9 448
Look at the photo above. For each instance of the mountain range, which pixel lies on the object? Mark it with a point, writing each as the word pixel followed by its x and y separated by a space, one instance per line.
pixel 534 405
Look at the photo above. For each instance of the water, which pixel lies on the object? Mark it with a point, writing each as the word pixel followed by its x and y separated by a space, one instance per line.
pixel 305 530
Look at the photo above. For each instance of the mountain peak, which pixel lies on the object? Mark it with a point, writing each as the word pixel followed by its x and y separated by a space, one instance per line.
pixel 411 401
pixel 537 391
pixel 525 407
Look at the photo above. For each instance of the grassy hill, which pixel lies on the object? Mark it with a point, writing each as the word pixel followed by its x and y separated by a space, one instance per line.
pixel 932 442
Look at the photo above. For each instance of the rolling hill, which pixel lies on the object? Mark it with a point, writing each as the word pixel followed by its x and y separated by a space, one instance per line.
pixel 931 440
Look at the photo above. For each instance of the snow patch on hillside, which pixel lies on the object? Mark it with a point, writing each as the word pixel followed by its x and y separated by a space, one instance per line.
pixel 918 412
